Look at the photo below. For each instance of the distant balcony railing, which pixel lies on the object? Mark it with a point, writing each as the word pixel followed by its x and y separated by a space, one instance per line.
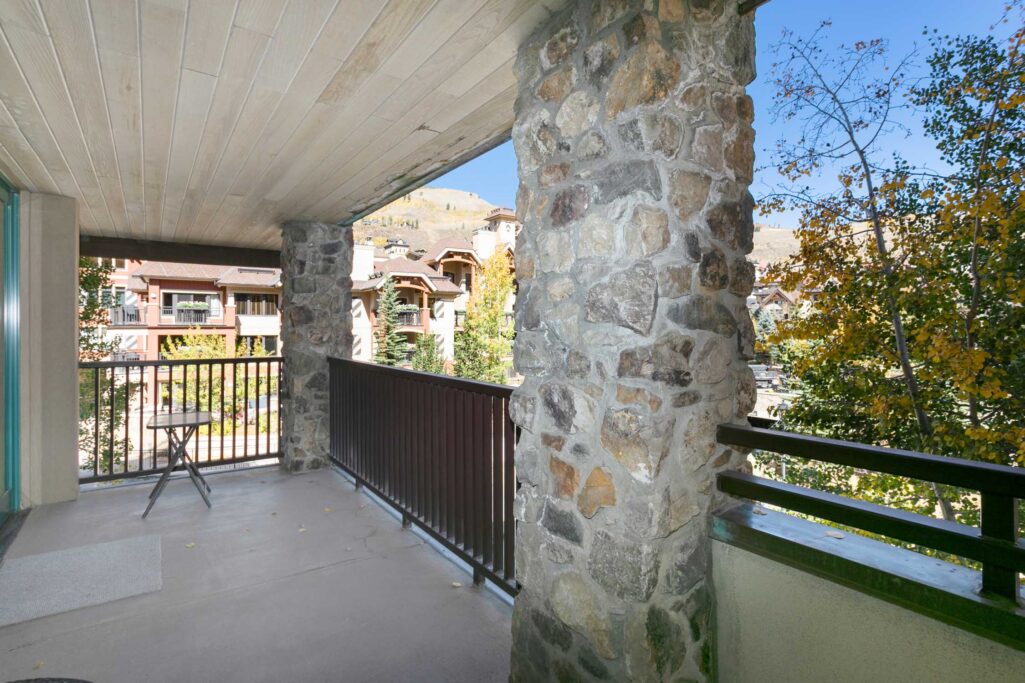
pixel 410 318
pixel 125 315
pixel 118 398
pixel 256 308
pixel 186 316
pixel 437 449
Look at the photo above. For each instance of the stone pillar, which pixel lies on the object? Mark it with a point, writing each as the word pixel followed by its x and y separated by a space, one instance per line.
pixel 635 149
pixel 316 296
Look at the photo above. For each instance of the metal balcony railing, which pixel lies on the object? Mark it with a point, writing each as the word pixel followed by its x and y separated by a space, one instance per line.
pixel 437 449
pixel 125 315
pixel 409 318
pixel 186 316
pixel 118 399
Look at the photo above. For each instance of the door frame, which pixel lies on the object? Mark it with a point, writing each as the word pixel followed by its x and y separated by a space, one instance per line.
pixel 10 494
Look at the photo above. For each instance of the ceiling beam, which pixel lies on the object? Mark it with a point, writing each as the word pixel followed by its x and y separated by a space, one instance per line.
pixel 178 252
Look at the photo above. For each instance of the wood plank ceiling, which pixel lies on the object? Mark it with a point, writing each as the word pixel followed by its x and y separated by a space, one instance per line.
pixel 211 121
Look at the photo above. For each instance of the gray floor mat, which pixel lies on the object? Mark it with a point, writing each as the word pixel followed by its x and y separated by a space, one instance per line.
pixel 49 583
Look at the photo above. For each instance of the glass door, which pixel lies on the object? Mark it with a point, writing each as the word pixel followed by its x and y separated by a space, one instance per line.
pixel 9 354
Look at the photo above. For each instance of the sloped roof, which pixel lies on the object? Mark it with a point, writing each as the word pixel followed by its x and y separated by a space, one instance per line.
pixel 441 246
pixel 405 266
pixel 222 275
pixel 251 277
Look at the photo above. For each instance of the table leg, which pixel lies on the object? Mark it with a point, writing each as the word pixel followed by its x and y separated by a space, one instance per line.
pixel 191 469
pixel 176 450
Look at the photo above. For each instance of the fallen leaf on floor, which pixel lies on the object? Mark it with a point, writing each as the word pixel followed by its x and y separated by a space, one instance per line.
pixel 302 530
pixel 190 545
pixel 834 534
pixel 273 514
pixel 327 509
pixel 456 584
pixel 39 665
pixel 247 531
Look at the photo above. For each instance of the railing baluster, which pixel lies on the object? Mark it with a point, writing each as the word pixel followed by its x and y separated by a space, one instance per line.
pixel 220 454
pixel 245 409
pixel 156 404
pixel 257 407
pixel 496 483
pixel 270 383
pixel 209 409
pixel 142 414
pixel 128 395
pixel 96 422
pixel 1000 521
pixel 509 481
pixel 110 425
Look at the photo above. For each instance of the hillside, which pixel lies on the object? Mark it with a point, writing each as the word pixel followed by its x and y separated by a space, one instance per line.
pixel 772 244
pixel 430 214
pixel 425 216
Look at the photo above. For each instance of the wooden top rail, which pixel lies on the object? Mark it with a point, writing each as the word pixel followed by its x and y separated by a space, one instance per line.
pixel 980 476
pixel 995 543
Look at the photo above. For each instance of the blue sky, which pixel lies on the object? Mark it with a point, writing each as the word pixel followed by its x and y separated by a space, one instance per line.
pixel 900 22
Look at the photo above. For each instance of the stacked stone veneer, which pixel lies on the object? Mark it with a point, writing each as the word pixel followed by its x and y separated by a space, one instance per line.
pixel 316 265
pixel 635 148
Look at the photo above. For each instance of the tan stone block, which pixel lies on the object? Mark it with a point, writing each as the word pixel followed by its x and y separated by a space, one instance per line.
pixel 599 491
pixel 566 477
pixel 646 77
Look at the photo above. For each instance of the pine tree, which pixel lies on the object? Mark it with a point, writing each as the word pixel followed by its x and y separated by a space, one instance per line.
pixel 427 357
pixel 389 344
pixel 483 346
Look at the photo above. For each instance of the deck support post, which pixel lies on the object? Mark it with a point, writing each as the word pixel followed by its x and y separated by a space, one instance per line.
pixel 635 149
pixel 316 323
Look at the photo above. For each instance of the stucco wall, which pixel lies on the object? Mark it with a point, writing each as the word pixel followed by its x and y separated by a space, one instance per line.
pixel 776 623
pixel 49 349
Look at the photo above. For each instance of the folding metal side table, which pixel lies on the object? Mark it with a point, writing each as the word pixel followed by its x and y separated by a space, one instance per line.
pixel 188 422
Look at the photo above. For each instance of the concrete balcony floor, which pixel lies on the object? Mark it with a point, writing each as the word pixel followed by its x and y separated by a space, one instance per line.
pixel 354 597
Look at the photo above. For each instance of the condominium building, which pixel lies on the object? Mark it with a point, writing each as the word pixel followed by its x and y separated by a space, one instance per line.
pixel 150 302
pixel 433 292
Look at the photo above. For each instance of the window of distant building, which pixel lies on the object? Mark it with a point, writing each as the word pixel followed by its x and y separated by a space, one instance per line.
pixel 117 263
pixel 256 304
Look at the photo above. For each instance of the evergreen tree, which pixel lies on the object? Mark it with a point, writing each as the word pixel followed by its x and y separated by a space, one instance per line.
pixel 389 343
pixel 427 357
pixel 484 344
